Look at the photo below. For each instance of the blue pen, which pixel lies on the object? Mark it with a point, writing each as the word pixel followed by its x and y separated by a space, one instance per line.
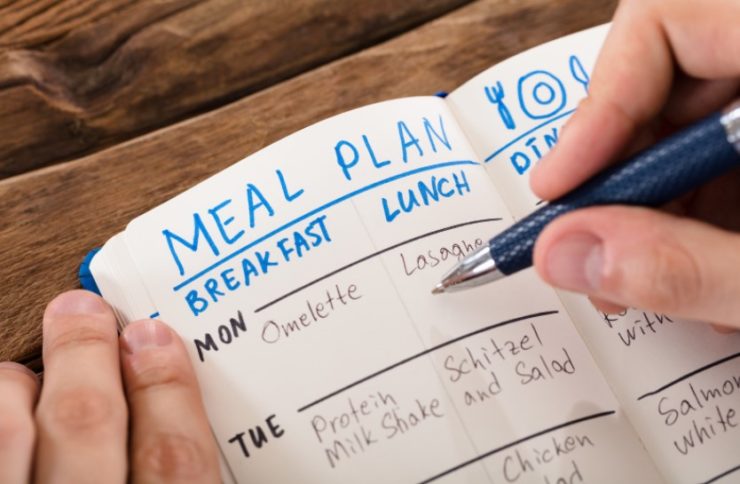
pixel 661 173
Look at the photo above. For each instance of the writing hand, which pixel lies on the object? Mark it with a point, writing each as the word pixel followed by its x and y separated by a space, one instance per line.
pixel 108 409
pixel 663 64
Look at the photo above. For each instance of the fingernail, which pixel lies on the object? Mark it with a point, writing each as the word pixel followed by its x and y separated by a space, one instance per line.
pixel 146 334
pixel 75 302
pixel 575 262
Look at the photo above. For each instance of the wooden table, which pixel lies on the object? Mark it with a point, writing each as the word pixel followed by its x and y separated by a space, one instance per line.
pixel 108 108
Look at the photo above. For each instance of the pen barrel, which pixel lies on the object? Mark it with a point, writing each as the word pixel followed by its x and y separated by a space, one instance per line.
pixel 662 173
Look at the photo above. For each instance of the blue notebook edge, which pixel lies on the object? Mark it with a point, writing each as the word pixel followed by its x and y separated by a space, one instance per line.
pixel 87 281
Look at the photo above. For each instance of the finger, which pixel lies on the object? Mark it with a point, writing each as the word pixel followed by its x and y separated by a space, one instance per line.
pixel 171 439
pixel 632 79
pixel 19 389
pixel 704 36
pixel 712 202
pixel 641 258
pixel 606 306
pixel 629 85
pixel 81 414
pixel 692 99
pixel 723 329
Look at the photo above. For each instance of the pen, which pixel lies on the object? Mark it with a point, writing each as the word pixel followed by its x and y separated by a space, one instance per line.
pixel 657 175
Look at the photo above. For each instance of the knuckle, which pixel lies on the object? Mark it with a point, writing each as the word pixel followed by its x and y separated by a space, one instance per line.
pixel 85 331
pixel 169 456
pixel 80 411
pixel 16 431
pixel 17 397
pixel 155 370
pixel 669 280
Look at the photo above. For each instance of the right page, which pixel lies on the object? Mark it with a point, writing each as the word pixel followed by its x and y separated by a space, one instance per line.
pixel 678 381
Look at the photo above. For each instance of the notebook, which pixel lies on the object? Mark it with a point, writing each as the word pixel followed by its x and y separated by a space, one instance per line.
pixel 300 280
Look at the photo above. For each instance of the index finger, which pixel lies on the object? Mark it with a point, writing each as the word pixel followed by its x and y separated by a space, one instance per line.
pixel 633 78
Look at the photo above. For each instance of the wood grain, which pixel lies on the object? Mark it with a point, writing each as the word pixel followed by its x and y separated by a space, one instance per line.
pixel 79 75
pixel 52 217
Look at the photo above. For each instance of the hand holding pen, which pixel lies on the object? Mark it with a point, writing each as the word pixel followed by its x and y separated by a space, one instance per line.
pixel 664 63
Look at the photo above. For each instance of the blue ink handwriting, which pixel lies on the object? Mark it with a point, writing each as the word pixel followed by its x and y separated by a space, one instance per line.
pixel 221 216
pixel 496 96
pixel 541 94
pixel 579 72
pixel 349 154
pixel 425 193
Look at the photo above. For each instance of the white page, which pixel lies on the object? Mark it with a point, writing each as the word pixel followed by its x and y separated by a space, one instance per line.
pixel 513 111
pixel 680 383
pixel 116 277
pixel 639 352
pixel 371 387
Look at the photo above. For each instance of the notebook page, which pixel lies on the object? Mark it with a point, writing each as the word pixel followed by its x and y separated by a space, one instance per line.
pixel 514 111
pixel 678 381
pixel 117 278
pixel 300 282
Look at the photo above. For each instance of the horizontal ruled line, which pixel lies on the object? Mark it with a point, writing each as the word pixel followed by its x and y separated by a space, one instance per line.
pixel 527 133
pixel 374 254
pixel 422 353
pixel 317 210
pixel 689 375
pixel 723 474
pixel 517 442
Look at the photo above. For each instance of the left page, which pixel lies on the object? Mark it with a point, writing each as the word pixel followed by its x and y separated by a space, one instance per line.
pixel 300 280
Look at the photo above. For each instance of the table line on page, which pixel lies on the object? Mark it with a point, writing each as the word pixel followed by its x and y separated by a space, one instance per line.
pixel 527 133
pixel 689 375
pixel 722 474
pixel 517 442
pixel 374 254
pixel 320 209
pixel 408 359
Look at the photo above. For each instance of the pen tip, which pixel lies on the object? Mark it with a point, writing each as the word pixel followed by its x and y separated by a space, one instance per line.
pixel 438 289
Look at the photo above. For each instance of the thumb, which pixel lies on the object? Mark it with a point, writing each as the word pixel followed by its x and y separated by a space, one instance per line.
pixel 646 259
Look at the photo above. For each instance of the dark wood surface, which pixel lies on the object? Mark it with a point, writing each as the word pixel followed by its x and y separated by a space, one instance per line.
pixel 52 216
pixel 80 75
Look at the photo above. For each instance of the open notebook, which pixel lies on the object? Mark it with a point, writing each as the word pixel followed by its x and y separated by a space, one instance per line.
pixel 300 280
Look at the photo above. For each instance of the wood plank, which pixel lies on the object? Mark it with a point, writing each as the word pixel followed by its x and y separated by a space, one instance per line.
pixel 79 75
pixel 52 217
